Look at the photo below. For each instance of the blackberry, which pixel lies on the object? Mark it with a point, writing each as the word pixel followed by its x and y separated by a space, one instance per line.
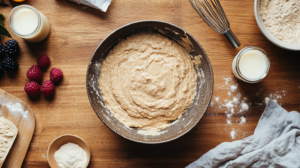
pixel 2 52
pixel 11 47
pixel 10 64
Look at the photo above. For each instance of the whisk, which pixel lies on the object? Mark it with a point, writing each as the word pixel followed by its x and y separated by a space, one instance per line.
pixel 212 12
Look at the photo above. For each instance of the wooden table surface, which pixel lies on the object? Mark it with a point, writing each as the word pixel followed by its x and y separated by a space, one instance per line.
pixel 77 30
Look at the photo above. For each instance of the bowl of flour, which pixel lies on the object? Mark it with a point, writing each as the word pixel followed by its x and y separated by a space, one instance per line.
pixel 279 21
pixel 68 151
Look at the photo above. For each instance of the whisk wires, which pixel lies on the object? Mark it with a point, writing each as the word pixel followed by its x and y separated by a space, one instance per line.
pixel 212 12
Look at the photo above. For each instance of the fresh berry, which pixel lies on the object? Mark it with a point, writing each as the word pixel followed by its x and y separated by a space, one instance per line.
pixel 2 51
pixel 10 64
pixel 34 73
pixel 43 61
pixel 56 75
pixel 32 89
pixel 11 47
pixel 48 88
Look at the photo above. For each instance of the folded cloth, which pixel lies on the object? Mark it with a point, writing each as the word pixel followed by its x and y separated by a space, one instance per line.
pixel 275 143
pixel 97 4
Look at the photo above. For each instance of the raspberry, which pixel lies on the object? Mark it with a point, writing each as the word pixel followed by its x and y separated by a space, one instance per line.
pixel 34 73
pixel 48 88
pixel 43 61
pixel 56 75
pixel 32 89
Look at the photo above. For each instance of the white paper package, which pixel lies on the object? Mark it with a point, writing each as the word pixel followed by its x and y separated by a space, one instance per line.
pixel 97 4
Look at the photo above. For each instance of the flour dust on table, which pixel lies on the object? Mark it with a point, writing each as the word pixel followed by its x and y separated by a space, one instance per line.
pixel 236 106
pixel 16 109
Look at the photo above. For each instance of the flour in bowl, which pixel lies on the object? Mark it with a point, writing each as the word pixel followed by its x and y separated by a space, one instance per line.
pixel 70 155
pixel 282 18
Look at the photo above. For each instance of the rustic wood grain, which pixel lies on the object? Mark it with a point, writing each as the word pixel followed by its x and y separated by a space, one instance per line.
pixel 77 30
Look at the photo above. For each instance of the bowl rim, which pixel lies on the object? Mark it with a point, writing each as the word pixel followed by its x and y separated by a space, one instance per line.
pixel 88 151
pixel 269 35
pixel 209 65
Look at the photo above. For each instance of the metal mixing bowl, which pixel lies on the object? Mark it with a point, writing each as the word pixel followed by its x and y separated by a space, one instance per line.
pixel 190 117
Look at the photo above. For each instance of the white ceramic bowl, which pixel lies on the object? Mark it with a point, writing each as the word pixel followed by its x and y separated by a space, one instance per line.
pixel 268 35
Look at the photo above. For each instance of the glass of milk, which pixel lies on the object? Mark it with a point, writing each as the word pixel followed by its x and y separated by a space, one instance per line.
pixel 251 64
pixel 28 23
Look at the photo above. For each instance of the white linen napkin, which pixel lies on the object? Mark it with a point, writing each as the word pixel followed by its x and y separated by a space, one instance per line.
pixel 275 144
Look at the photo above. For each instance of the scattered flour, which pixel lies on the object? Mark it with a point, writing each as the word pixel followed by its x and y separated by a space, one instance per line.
pixel 229 104
pixel 217 99
pixel 232 134
pixel 243 120
pixel 236 106
pixel 277 95
pixel 227 80
pixel 232 105
pixel 233 88
pixel 244 107
pixel 70 155
pixel 16 109
pixel 212 103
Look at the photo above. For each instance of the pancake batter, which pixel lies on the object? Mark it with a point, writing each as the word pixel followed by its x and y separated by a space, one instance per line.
pixel 147 80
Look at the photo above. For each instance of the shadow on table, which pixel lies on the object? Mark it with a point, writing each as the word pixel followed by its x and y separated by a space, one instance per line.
pixel 38 49
pixel 177 153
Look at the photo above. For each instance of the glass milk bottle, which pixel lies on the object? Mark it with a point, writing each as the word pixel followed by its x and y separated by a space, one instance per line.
pixel 28 23
pixel 251 64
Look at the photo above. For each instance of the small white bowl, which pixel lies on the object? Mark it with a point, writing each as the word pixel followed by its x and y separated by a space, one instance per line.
pixel 268 35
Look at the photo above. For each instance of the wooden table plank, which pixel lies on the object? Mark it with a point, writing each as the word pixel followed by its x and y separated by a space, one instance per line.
pixel 77 30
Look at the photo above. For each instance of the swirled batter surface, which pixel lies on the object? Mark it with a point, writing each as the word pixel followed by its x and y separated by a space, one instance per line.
pixel 147 80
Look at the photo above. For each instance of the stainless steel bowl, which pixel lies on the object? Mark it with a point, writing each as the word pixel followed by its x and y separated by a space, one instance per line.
pixel 189 118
